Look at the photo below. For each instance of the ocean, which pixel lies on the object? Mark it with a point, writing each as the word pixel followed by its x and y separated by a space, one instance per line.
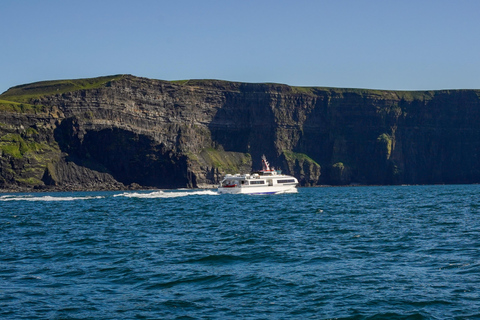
pixel 387 252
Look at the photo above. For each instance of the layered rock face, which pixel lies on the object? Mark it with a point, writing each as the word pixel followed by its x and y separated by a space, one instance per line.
pixel 124 131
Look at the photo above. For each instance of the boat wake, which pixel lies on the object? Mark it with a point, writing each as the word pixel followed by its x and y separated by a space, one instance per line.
pixel 44 198
pixel 167 194
pixel 289 191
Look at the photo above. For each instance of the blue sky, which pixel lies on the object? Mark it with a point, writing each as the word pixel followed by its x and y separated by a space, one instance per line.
pixel 377 44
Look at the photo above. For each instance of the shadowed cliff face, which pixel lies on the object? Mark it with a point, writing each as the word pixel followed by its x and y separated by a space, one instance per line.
pixel 128 157
pixel 118 131
pixel 440 138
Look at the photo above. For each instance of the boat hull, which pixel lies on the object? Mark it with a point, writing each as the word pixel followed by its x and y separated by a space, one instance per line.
pixel 258 190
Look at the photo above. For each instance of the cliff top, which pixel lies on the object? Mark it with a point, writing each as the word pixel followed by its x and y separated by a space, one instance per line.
pixel 24 94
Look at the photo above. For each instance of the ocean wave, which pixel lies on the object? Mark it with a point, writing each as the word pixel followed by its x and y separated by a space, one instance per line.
pixel 45 198
pixel 169 194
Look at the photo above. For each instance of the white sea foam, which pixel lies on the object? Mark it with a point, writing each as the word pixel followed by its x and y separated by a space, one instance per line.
pixel 294 190
pixel 44 198
pixel 168 194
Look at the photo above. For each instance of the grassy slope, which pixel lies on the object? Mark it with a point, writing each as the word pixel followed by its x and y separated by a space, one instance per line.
pixel 11 106
pixel 24 94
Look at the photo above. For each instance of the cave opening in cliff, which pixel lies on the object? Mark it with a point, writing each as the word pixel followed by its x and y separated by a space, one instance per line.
pixel 129 157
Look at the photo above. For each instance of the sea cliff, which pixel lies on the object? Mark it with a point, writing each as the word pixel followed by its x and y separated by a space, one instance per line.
pixel 123 131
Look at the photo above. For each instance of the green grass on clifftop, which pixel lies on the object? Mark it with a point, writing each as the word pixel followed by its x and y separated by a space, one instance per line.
pixel 25 93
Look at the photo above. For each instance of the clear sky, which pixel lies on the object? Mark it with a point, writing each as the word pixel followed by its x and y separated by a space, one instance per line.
pixel 377 44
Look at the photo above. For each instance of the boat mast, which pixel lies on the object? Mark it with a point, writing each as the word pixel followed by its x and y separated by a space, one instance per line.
pixel 265 164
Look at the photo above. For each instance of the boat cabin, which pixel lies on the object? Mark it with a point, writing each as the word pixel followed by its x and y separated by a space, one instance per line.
pixel 255 179
pixel 268 180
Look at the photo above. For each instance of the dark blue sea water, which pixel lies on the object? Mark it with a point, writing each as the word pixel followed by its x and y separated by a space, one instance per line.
pixel 398 252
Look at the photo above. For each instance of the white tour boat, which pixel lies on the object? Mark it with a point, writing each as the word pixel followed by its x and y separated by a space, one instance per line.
pixel 265 181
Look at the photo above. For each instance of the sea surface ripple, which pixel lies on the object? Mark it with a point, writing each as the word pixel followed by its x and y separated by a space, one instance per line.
pixel 397 252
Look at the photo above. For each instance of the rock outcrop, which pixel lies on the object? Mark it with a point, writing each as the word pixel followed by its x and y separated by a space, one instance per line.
pixel 123 131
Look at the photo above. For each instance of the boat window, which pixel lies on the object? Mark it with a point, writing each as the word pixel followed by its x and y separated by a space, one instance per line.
pixel 229 183
pixel 286 181
pixel 257 182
